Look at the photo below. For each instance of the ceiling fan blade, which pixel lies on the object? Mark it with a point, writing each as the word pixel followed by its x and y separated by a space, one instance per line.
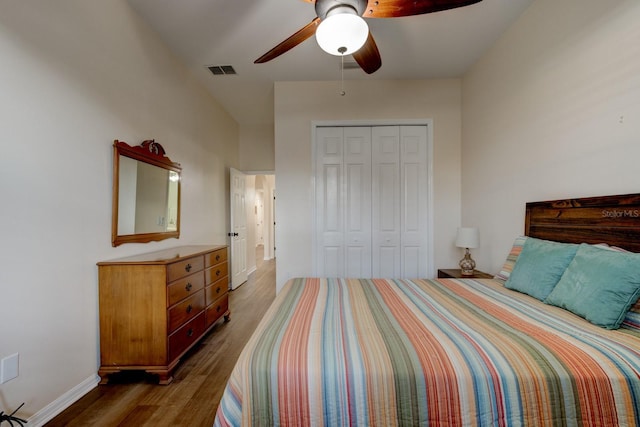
pixel 397 8
pixel 368 56
pixel 293 41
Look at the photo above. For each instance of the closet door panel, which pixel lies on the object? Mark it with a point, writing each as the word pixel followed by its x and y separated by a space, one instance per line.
pixel 332 202
pixel 357 161
pixel 386 265
pixel 411 262
pixel 358 261
pixel 333 257
pixel 385 195
pixel 413 167
pixel 330 233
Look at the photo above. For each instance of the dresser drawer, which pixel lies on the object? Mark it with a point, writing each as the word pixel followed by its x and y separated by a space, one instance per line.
pixel 215 257
pixel 181 339
pixel 216 273
pixel 185 310
pixel 184 268
pixel 217 309
pixel 184 287
pixel 215 291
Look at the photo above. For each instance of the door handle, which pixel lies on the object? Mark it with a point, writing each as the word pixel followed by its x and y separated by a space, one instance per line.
pixel 232 234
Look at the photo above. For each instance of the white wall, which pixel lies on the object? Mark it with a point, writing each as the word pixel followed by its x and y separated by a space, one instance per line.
pixel 551 112
pixel 75 76
pixel 297 104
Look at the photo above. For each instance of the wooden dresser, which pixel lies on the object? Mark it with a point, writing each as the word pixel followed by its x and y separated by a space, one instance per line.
pixel 155 306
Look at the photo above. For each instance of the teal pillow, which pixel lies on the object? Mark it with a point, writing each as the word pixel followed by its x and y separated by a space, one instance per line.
pixel 540 266
pixel 599 285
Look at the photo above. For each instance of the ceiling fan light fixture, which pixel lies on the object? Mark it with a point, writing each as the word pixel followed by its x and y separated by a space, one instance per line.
pixel 342 32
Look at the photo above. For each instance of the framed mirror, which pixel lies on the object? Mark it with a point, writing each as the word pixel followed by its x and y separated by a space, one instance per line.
pixel 146 194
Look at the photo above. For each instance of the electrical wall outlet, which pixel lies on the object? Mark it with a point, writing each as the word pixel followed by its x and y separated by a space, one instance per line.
pixel 9 368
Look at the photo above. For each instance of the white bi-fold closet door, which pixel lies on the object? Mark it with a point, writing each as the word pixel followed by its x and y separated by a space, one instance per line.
pixel 371 201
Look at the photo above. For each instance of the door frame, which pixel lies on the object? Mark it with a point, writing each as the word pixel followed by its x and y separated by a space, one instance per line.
pixel 373 123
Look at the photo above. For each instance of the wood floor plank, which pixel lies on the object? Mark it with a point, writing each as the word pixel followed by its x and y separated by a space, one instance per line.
pixel 134 399
pixel 139 416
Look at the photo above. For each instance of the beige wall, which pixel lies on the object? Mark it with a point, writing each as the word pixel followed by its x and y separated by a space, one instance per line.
pixel 552 111
pixel 298 104
pixel 76 75
pixel 256 148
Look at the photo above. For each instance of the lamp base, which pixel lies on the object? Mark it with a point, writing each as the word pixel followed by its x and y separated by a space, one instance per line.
pixel 467 264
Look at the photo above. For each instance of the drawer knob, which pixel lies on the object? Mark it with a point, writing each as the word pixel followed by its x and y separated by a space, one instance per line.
pixel 217 272
pixel 188 287
pixel 218 290
pixel 189 308
pixel 188 267
pixel 218 257
pixel 190 332
pixel 218 308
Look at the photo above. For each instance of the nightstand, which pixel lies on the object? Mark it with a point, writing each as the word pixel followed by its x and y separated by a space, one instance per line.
pixel 455 273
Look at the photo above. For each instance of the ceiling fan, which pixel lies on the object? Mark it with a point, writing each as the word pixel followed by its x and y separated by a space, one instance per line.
pixel 340 29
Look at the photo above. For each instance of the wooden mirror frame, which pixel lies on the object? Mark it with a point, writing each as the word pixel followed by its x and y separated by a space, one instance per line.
pixel 152 153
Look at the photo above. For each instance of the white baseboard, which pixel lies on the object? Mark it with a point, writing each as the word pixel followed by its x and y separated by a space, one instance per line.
pixel 47 413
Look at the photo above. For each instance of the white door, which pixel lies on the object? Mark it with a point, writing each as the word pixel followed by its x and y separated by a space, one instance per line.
pixel 372 201
pixel 357 201
pixel 414 201
pixel 343 201
pixel 400 214
pixel 238 228
pixel 329 199
pixel 386 201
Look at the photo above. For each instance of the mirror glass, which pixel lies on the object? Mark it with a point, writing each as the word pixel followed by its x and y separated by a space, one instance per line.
pixel 146 199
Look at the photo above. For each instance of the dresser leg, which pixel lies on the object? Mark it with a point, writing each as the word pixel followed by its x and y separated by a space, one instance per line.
pixel 165 379
pixel 105 373
pixel 104 378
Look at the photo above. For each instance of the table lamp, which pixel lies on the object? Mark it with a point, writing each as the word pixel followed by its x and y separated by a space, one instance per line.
pixel 467 237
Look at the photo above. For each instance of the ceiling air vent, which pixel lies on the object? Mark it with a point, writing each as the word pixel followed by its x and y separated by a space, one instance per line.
pixel 221 70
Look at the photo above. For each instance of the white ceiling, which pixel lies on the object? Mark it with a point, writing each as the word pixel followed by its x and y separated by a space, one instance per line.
pixel 236 32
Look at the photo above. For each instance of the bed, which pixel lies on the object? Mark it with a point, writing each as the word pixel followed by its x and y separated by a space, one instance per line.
pixel 552 339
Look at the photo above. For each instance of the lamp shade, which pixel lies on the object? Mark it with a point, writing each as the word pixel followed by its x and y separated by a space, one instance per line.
pixel 467 237
pixel 342 32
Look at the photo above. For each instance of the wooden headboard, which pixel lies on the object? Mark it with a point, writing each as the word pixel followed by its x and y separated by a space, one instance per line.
pixel 614 220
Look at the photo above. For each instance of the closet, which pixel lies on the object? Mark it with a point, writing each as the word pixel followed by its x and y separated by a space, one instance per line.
pixel 371 199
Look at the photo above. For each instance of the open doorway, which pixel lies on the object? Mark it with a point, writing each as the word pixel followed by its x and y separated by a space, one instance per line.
pixel 259 205
pixel 261 208
pixel 263 216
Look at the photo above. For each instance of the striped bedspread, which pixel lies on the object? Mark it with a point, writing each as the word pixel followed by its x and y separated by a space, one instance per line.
pixel 445 352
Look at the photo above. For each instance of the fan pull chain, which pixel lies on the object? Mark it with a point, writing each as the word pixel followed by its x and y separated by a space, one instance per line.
pixel 342 50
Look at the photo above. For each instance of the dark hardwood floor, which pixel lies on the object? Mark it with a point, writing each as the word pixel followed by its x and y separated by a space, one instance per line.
pixel 132 399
